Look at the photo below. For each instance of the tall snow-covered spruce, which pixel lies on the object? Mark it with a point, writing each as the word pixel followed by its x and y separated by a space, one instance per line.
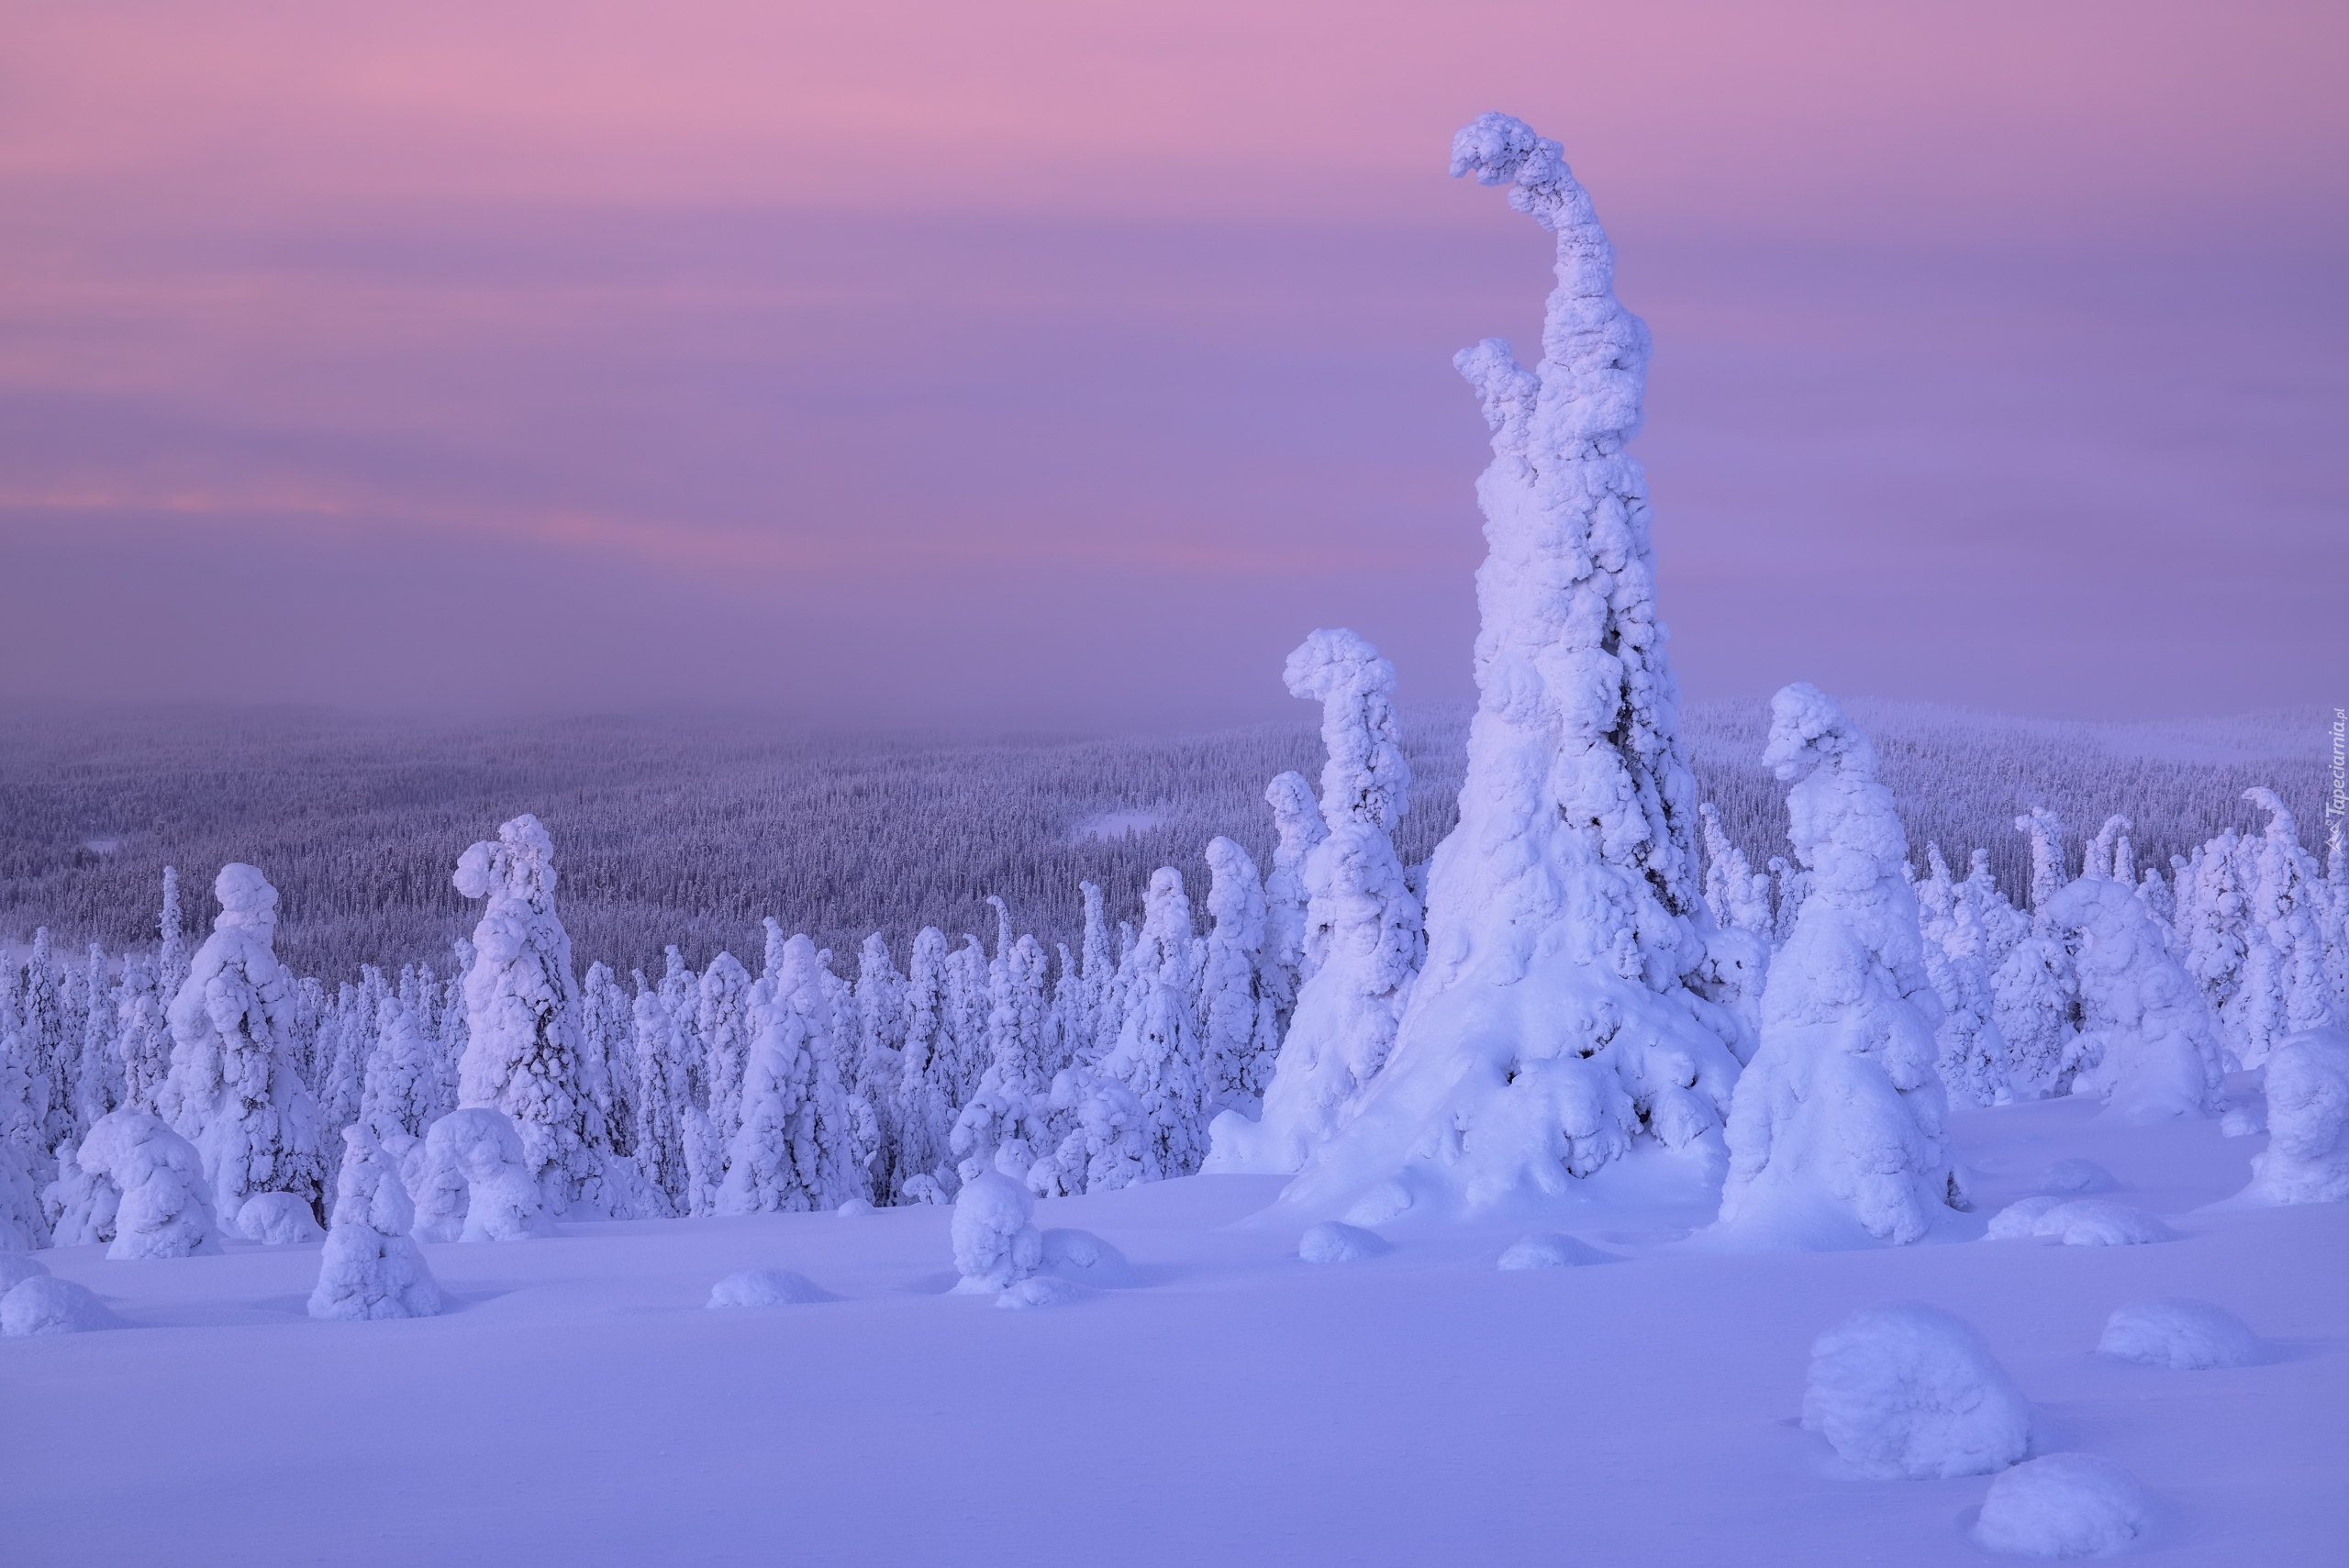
pixel 1554 1025
pixel 524 1055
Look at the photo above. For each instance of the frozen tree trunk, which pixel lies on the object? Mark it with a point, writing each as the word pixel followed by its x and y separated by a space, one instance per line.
pixel 1837 1132
pixel 1362 937
pixel 1553 1023
pixel 524 1054
pixel 370 1268
pixel 233 1091
pixel 2145 1044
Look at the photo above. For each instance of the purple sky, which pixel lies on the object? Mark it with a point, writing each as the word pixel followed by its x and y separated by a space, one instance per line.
pixel 1060 365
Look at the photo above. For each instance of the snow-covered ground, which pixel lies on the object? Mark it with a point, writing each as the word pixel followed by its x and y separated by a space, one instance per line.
pixel 579 1404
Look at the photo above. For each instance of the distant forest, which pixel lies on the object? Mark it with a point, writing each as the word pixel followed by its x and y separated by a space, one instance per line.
pixel 687 831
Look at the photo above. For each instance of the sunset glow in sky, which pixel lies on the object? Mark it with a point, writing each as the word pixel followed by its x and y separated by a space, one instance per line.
pixel 1063 364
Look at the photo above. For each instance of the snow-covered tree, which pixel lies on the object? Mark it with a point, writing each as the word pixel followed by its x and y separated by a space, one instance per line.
pixel 232 1090
pixel 98 1079
pixel 1299 828
pixel 474 1180
pixel 661 1097
pixel 145 1042
pixel 370 1268
pixel 2307 1158
pixel 2145 1044
pixel 723 1012
pixel 608 1057
pixel 1110 1142
pixel 926 1100
pixel 395 1099
pixel 1972 1056
pixel 1738 896
pixel 804 1143
pixel 1237 1017
pixel 2285 990
pixel 880 1012
pixel 1838 1130
pixel 165 1206
pixel 1363 935
pixel 2034 994
pixel 1090 1021
pixel 1012 1098
pixel 524 1055
pixel 967 1011
pixel 1553 1021
pixel 1158 1053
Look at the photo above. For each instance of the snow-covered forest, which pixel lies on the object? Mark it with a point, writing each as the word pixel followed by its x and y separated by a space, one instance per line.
pixel 1614 978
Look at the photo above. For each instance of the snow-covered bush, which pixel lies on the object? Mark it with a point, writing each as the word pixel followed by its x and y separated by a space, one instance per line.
pixel 1042 1290
pixel 233 1090
pixel 476 1183
pixel 2145 1045
pixel 1363 935
pixel 1554 1022
pixel 165 1208
pixel 2062 1505
pixel 370 1267
pixel 1907 1390
pixel 2306 1157
pixel 767 1287
pixel 995 1245
pixel 1082 1256
pixel 1552 1250
pixel 1837 1129
pixel 524 1053
pixel 1334 1242
pixel 44 1305
pixel 278 1219
pixel 2186 1336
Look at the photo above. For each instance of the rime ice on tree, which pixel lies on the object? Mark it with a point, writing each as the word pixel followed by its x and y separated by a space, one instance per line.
pixel 1838 1123
pixel 1554 1014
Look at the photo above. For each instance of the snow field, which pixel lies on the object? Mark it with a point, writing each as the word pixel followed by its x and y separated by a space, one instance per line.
pixel 1264 1411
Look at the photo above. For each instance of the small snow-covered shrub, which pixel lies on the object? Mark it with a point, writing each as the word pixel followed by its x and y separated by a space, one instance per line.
pixel 166 1206
pixel 2078 1176
pixel 2088 1222
pixel 1042 1290
pixel 1084 1257
pixel 45 1304
pixel 2020 1221
pixel 1332 1241
pixel 2065 1504
pixel 2307 1158
pixel 1907 1390
pixel 2186 1336
pixel 474 1184
pixel 1551 1252
pixel 767 1287
pixel 855 1207
pixel 994 1247
pixel 278 1219
pixel 370 1267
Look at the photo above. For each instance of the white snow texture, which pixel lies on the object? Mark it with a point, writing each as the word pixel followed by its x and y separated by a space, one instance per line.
pixel 370 1267
pixel 2186 1336
pixel 1906 1390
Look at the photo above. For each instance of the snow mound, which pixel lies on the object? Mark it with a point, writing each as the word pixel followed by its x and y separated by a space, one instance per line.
pixel 1082 1256
pixel 2086 1222
pixel 46 1305
pixel 2020 1221
pixel 1551 1252
pixel 1907 1390
pixel 2078 1176
pixel 2186 1336
pixel 855 1208
pixel 767 1287
pixel 15 1268
pixel 994 1247
pixel 1334 1242
pixel 2307 1158
pixel 1042 1290
pixel 2243 1121
pixel 278 1219
pixel 2066 1505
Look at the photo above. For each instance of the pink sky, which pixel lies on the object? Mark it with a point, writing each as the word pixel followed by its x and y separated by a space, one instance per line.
pixel 1065 364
